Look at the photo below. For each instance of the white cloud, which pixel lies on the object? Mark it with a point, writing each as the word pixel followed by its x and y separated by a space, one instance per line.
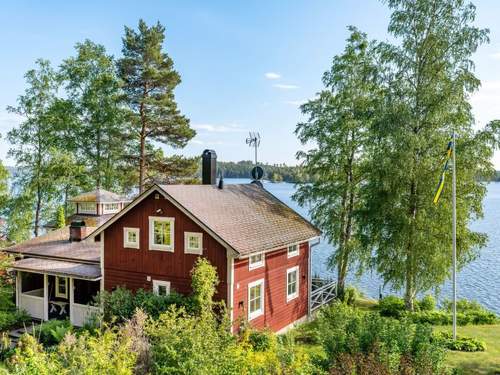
pixel 272 75
pixel 285 87
pixel 231 128
pixel 485 102
pixel 295 103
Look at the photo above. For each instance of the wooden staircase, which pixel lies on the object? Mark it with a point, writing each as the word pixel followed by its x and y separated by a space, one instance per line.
pixel 15 334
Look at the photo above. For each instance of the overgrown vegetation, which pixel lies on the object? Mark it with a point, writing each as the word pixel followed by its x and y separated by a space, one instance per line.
pixel 461 343
pixel 9 315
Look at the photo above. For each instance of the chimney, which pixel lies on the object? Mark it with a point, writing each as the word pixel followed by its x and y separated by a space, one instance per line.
pixel 77 231
pixel 209 167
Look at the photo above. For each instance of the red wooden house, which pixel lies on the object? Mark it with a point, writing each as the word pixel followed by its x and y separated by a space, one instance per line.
pixel 260 247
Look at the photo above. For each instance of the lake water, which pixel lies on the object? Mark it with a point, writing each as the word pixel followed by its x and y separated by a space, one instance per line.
pixel 479 280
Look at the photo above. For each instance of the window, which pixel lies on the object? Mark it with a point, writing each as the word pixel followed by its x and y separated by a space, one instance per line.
pixel 111 207
pixel 61 287
pixel 256 261
pixel 292 283
pixel 131 238
pixel 161 288
pixel 293 250
pixel 255 299
pixel 87 208
pixel 161 233
pixel 193 243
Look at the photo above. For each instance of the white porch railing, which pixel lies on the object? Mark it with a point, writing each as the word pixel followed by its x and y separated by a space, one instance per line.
pixel 33 303
pixel 82 313
pixel 323 292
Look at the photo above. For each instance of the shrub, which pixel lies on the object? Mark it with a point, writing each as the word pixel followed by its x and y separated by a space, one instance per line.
pixel 52 332
pixel 10 319
pixel 351 295
pixel 392 306
pixel 385 345
pixel 260 340
pixel 462 343
pixel 428 303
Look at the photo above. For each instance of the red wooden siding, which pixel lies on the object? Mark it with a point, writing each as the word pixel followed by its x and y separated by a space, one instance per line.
pixel 130 267
pixel 278 313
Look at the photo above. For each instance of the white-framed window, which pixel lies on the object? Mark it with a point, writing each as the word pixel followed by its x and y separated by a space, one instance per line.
pixel 161 288
pixel 292 283
pixel 87 208
pixel 61 287
pixel 293 250
pixel 161 233
pixel 110 208
pixel 193 243
pixel 255 299
pixel 131 238
pixel 256 261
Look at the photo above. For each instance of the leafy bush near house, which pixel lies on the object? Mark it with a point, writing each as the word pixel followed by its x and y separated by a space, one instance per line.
pixel 260 340
pixel 462 343
pixel 121 304
pixel 52 332
pixel 361 342
pixel 9 319
pixel 351 295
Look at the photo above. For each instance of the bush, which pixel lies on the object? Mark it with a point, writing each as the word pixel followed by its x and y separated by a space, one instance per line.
pixel 260 340
pixel 384 345
pixel 462 343
pixel 351 295
pixel 428 303
pixel 10 319
pixel 392 306
pixel 52 332
pixel 121 304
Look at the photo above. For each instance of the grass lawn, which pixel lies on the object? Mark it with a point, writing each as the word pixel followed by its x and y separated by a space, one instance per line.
pixel 487 362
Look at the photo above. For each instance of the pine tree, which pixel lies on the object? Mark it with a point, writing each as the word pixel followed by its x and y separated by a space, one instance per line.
pixel 60 217
pixel 339 122
pixel 149 80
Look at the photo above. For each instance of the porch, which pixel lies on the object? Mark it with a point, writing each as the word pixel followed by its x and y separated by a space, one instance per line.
pixel 323 291
pixel 49 289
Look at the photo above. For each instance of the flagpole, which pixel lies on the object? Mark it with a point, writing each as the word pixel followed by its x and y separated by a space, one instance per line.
pixel 454 235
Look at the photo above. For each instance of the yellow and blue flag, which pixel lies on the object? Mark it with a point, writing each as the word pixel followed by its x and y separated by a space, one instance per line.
pixel 440 187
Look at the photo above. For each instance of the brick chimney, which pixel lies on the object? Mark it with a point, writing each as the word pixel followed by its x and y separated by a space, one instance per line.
pixel 77 231
pixel 209 167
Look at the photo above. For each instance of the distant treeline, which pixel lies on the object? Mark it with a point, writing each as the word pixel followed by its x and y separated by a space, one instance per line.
pixel 272 172
pixel 496 177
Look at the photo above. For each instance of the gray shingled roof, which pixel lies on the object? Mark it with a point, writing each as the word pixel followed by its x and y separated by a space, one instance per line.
pixel 247 217
pixel 58 268
pixel 99 196
pixel 55 244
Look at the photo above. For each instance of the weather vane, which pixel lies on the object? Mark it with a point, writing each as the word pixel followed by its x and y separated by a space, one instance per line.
pixel 254 141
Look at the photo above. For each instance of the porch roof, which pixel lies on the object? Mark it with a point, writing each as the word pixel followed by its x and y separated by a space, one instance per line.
pixel 59 268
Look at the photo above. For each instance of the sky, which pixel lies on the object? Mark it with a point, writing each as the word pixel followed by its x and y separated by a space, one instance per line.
pixel 245 65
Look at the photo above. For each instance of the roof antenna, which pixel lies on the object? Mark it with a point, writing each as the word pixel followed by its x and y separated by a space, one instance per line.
pixel 221 181
pixel 254 141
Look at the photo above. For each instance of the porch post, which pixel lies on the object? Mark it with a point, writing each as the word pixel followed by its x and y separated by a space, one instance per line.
pixel 45 297
pixel 71 299
pixel 18 287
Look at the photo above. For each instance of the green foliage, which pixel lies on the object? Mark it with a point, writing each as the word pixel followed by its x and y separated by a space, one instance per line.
pixel 60 217
pixel 4 188
pixel 149 80
pixel 260 340
pixel 462 343
pixel 12 318
pixel 339 122
pixel 391 306
pixel 428 303
pixel 204 281
pixel 351 295
pixel 121 304
pixel 354 338
pixel 52 332
pixel 104 353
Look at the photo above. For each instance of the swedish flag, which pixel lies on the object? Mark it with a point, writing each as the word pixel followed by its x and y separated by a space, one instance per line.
pixel 440 187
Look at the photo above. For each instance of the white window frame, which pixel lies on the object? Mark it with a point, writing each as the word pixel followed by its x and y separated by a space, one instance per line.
pixel 58 281
pixel 158 283
pixel 256 313
pixel 152 245
pixel 85 211
pixel 258 264
pixel 126 243
pixel 291 254
pixel 292 296
pixel 189 250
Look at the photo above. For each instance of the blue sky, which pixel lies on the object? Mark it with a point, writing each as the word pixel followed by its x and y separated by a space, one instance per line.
pixel 245 66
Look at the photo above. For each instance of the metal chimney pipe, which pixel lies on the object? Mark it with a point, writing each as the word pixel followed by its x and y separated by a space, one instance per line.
pixel 209 167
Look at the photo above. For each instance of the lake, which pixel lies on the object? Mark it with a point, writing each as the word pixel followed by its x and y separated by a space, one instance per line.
pixel 479 280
